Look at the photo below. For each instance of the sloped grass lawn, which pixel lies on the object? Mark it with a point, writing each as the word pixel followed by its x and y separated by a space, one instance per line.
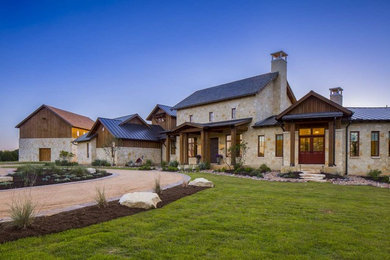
pixel 239 218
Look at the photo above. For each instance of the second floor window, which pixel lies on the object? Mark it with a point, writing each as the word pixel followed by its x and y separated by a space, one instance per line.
pixel 233 113
pixel 279 145
pixel 211 116
pixel 374 143
pixel 354 140
pixel 261 146
pixel 191 117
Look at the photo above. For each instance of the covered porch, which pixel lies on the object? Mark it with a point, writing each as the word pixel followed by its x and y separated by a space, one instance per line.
pixel 205 142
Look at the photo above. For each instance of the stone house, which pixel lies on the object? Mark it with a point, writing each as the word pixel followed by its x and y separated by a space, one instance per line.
pixel 49 130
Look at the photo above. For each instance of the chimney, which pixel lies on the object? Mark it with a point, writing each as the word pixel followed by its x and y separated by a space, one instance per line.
pixel 336 95
pixel 279 64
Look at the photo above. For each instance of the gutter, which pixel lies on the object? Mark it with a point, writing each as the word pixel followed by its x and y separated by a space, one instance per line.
pixel 346 146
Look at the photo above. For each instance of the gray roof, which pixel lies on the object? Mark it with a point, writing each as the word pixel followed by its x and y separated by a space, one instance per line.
pixel 313 115
pixel 227 122
pixel 168 109
pixel 270 121
pixel 236 89
pixel 132 131
pixel 84 138
pixel 124 118
pixel 370 113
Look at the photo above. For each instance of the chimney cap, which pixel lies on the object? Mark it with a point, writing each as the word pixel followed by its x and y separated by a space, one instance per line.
pixel 279 54
pixel 336 90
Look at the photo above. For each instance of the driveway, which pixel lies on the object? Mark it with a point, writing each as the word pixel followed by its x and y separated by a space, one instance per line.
pixel 51 199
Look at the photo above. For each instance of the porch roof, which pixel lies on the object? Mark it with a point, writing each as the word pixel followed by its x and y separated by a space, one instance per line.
pixel 313 115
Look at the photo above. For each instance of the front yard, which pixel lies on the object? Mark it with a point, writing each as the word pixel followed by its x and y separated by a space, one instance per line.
pixel 239 218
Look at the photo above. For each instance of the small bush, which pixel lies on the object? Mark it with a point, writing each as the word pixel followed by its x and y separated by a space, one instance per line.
pixel 264 168
pixel 157 186
pixel 79 171
pixel 256 173
pixel 148 163
pixel 374 174
pixel 98 162
pixel 100 198
pixel 164 164
pixel 204 166
pixel 65 163
pixel 145 168
pixel 171 169
pixel 173 164
pixel 22 213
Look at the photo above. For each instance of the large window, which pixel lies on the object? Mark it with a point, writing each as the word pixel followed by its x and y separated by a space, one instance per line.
pixel 192 147
pixel 211 116
pixel 228 144
pixel 279 145
pixel 374 143
pixel 261 146
pixel 354 140
pixel 173 147
pixel 233 113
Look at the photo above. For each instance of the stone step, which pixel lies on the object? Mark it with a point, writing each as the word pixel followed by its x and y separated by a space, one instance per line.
pixel 316 175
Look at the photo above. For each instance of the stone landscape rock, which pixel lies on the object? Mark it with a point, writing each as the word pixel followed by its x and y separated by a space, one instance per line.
pixel 141 200
pixel 91 170
pixel 201 182
pixel 6 179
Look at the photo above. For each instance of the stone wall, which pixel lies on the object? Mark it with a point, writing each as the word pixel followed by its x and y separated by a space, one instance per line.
pixel 29 148
pixel 126 154
pixel 82 152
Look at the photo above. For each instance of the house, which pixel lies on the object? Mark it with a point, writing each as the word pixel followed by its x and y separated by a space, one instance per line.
pixel 127 138
pixel 49 130
pixel 313 132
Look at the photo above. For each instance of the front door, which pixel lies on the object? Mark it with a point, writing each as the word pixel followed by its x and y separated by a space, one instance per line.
pixel 44 154
pixel 213 150
pixel 312 146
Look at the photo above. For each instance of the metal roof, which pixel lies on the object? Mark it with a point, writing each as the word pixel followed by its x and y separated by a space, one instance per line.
pixel 313 115
pixel 124 118
pixel 270 121
pixel 168 109
pixel 370 113
pixel 132 131
pixel 236 89
pixel 227 123
pixel 84 138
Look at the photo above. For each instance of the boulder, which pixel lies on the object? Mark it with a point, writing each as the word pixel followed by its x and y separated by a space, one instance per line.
pixel 6 179
pixel 201 182
pixel 141 200
pixel 91 170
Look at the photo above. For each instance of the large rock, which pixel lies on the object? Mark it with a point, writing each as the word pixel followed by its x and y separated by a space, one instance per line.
pixel 6 179
pixel 91 170
pixel 201 182
pixel 141 200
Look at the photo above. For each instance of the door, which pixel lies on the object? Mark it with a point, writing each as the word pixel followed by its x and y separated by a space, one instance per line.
pixel 44 154
pixel 213 150
pixel 312 146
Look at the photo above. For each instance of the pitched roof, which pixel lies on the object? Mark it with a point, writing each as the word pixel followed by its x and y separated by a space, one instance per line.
pixel 234 122
pixel 167 109
pixel 73 119
pixel 269 121
pixel 132 131
pixel 84 138
pixel 232 90
pixel 370 113
pixel 125 118
pixel 313 115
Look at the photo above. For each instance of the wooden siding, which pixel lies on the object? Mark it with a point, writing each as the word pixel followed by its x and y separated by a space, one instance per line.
pixel 313 105
pixel 104 138
pixel 164 120
pixel 45 124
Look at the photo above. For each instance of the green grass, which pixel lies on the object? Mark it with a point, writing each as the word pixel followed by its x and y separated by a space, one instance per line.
pixel 238 219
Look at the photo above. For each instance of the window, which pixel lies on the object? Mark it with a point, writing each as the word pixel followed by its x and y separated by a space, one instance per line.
pixel 374 143
pixel 191 117
pixel 173 147
pixel 279 145
pixel 233 113
pixel 87 150
pixel 228 144
pixel 260 146
pixel 192 147
pixel 354 140
pixel 211 116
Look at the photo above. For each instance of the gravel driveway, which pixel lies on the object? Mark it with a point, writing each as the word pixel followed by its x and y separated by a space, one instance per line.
pixel 51 199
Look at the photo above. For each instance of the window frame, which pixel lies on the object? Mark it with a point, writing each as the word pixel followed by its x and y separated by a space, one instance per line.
pixel 276 145
pixel 377 154
pixel 234 113
pixel 192 152
pixel 87 150
pixel 350 143
pixel 211 116
pixel 190 118
pixel 258 145
pixel 172 149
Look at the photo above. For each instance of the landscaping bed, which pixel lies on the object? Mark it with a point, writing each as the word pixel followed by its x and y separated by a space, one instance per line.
pixel 34 175
pixel 86 216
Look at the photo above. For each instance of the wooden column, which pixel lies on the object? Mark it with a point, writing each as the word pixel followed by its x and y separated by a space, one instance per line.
pixel 233 134
pixel 292 144
pixel 185 150
pixel 181 148
pixel 331 160
pixel 167 149
pixel 204 143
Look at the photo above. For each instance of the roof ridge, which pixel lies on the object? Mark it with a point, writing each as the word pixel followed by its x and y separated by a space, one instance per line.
pixel 368 107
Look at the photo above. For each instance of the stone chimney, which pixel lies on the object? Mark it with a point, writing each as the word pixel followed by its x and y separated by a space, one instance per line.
pixel 279 64
pixel 336 95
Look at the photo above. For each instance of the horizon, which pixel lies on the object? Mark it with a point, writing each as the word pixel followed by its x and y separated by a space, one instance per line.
pixel 103 59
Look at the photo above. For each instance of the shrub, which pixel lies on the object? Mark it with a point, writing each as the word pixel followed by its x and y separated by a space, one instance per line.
pixel 22 213
pixel 65 163
pixel 374 174
pixel 164 164
pixel 8 156
pixel 171 169
pixel 98 162
pixel 145 168
pixel 148 163
pixel 157 186
pixel 256 173
pixel 264 168
pixel 100 198
pixel 204 166
pixel 173 164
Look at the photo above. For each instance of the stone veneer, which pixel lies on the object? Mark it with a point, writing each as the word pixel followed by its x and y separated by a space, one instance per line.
pixel 29 148
pixel 126 154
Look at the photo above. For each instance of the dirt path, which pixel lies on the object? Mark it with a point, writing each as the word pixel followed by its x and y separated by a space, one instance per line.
pixel 55 198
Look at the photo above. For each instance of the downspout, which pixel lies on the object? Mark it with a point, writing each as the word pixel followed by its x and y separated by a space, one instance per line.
pixel 346 147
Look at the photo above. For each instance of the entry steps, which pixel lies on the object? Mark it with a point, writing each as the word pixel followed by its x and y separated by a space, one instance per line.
pixel 312 176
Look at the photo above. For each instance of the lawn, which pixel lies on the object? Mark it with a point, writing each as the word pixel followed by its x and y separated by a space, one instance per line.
pixel 239 218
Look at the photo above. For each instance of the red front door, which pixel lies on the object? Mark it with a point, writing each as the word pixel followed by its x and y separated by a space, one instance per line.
pixel 312 146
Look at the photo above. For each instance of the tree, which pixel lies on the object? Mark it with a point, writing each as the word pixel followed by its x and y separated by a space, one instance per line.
pixel 239 149
pixel 111 147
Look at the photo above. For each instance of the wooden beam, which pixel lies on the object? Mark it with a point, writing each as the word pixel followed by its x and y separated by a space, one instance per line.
pixel 181 149
pixel 292 144
pixel 331 143
pixel 203 139
pixel 185 150
pixel 233 134
pixel 167 149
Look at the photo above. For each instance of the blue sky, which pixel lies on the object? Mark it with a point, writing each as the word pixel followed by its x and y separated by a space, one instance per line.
pixel 111 58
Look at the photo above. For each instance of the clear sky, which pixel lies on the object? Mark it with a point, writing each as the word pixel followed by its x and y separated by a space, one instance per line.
pixel 112 58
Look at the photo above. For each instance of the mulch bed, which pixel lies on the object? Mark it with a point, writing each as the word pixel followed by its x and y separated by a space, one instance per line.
pixel 329 176
pixel 290 175
pixel 86 216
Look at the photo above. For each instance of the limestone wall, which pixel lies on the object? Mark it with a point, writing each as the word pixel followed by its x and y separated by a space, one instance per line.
pixel 125 154
pixel 82 157
pixel 29 148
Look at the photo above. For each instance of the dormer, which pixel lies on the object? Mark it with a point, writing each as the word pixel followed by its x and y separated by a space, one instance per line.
pixel 163 116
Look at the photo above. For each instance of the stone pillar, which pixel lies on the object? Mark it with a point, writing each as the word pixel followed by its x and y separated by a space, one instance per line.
pixel 292 144
pixel 331 143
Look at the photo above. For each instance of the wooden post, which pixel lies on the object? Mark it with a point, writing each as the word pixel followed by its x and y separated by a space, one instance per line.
pixel 181 148
pixel 185 150
pixel 292 144
pixel 203 137
pixel 331 143
pixel 167 149
pixel 233 134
